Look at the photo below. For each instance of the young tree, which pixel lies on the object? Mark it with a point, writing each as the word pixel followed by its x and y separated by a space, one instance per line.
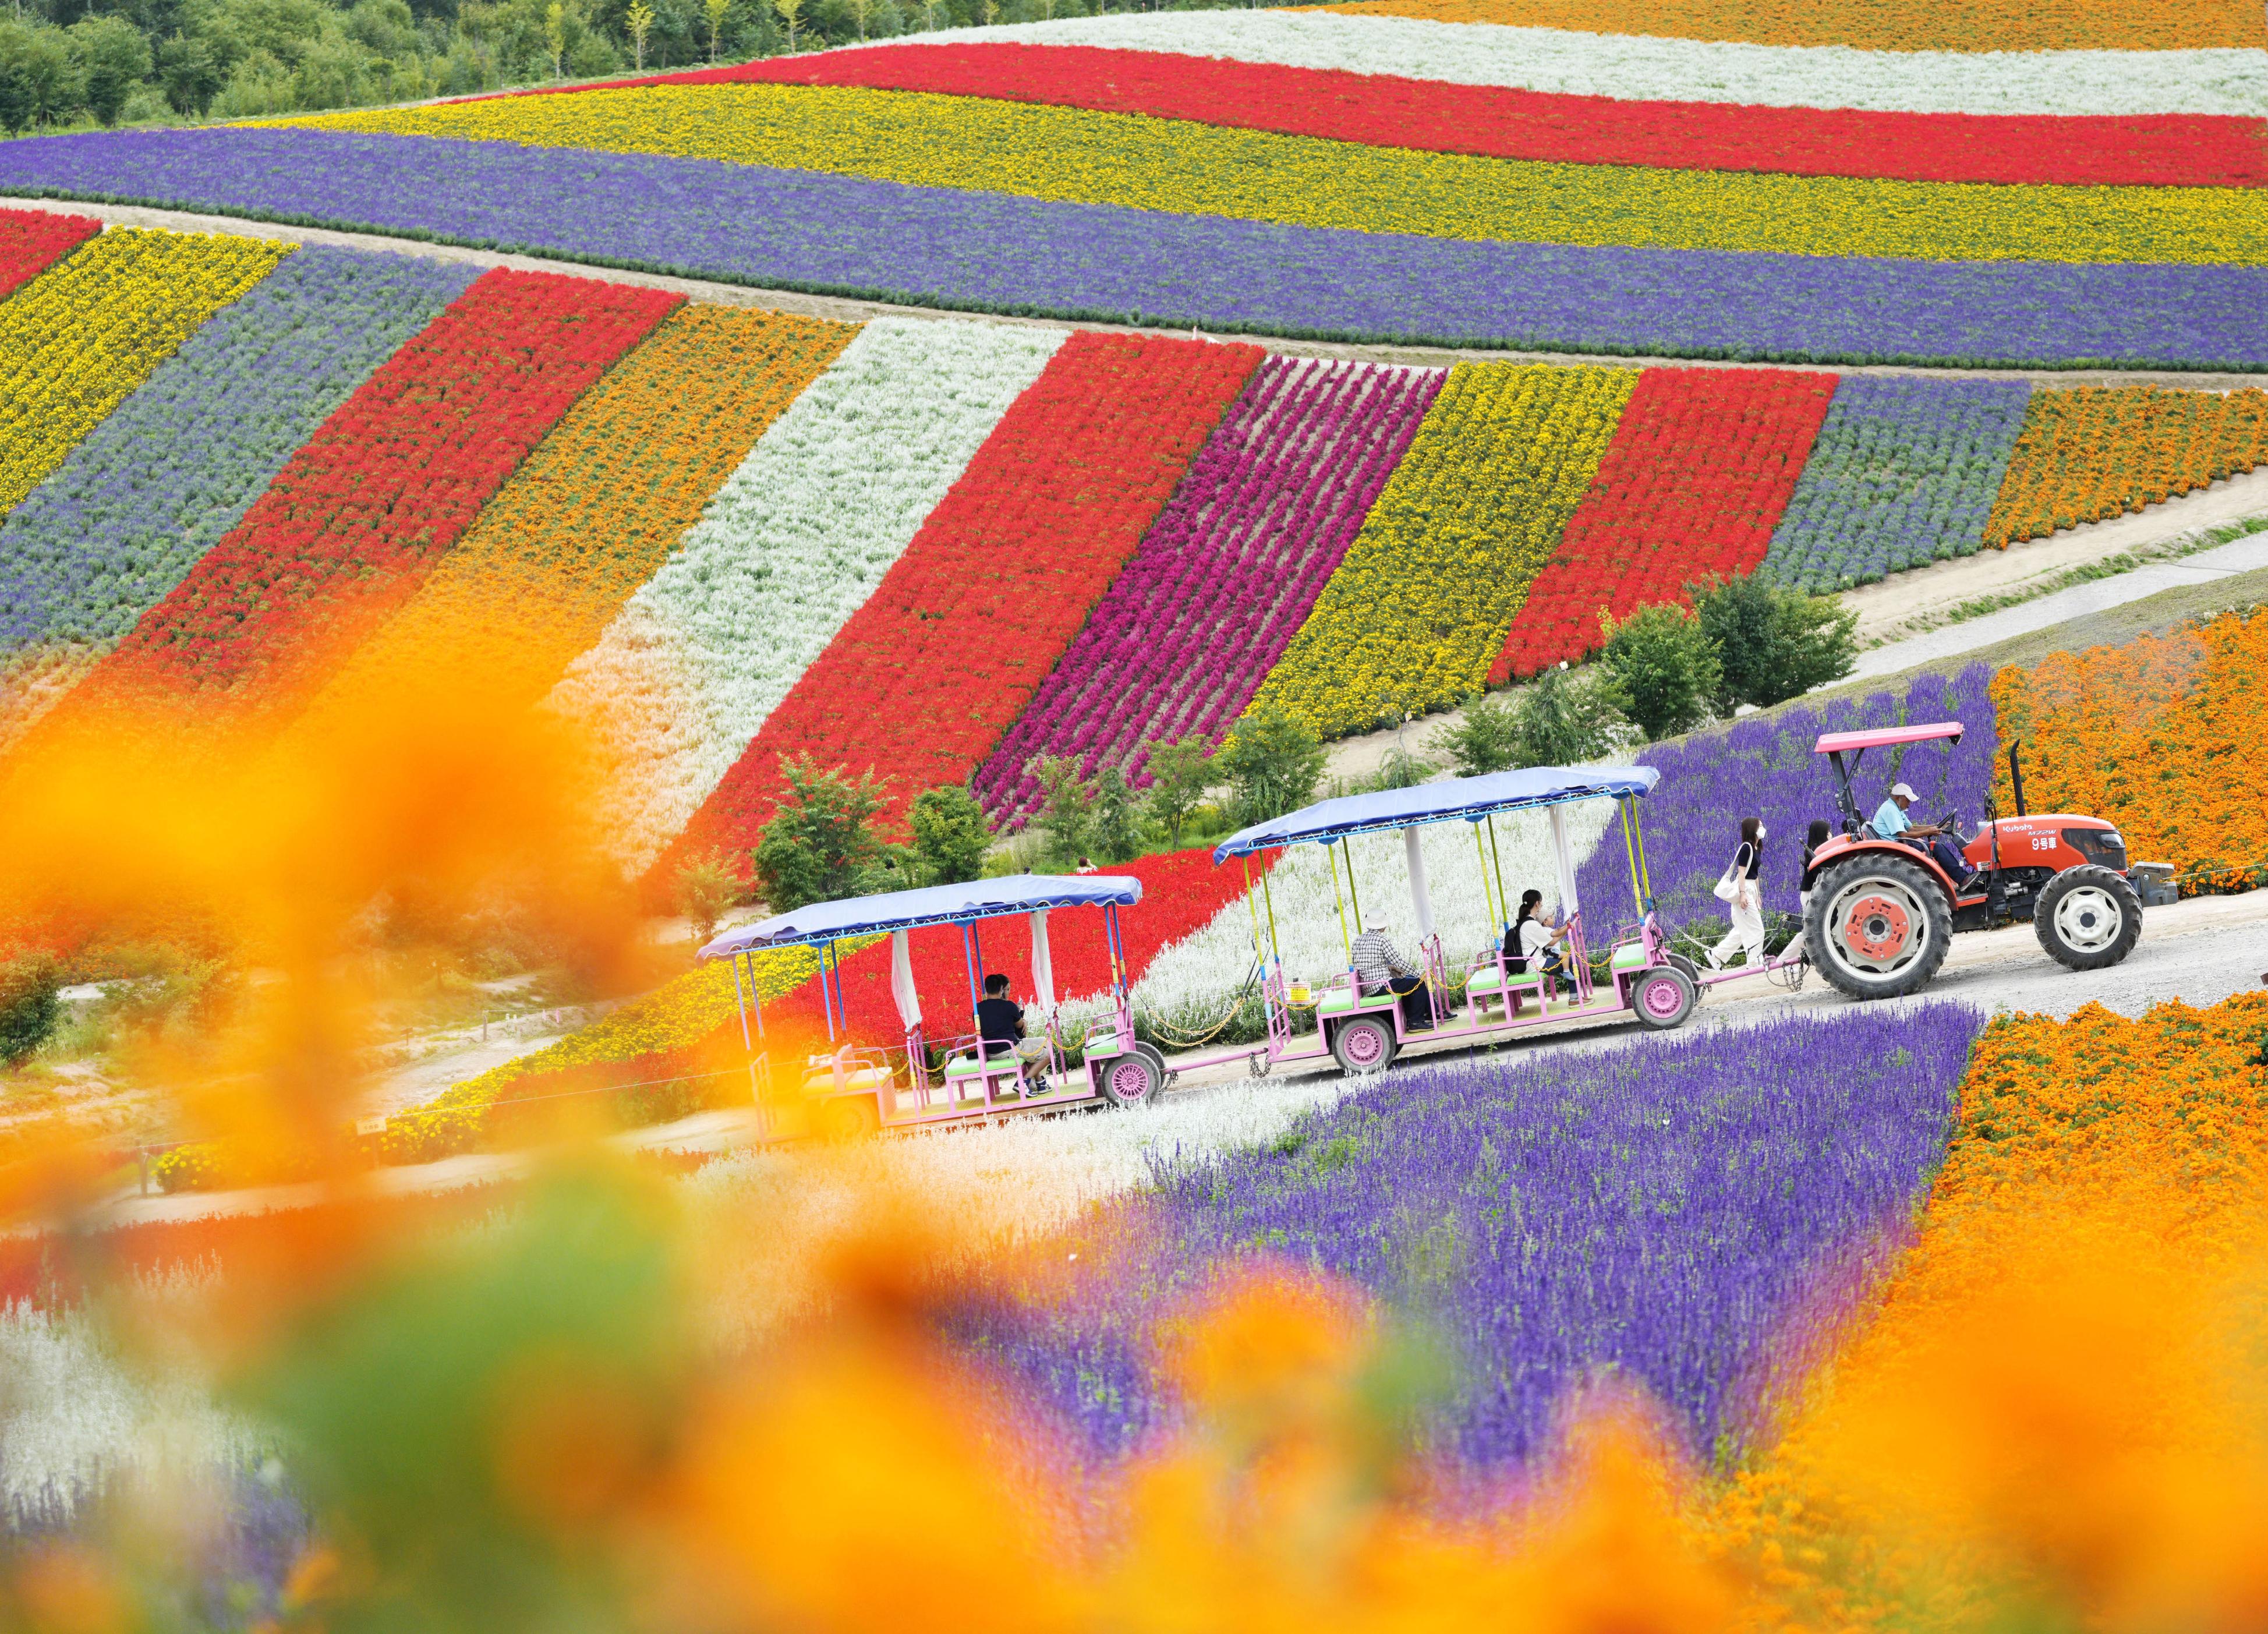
pixel 1117 820
pixel 790 12
pixel 716 11
pixel 111 58
pixel 1484 739
pixel 858 10
pixel 702 890
pixel 1565 723
pixel 1664 664
pixel 30 1004
pixel 187 74
pixel 1178 778
pixel 950 834
pixel 819 844
pixel 1401 768
pixel 639 18
pixel 555 37
pixel 1773 642
pixel 1272 762
pixel 1067 818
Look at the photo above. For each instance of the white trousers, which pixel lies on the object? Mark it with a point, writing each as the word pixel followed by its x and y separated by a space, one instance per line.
pixel 1746 936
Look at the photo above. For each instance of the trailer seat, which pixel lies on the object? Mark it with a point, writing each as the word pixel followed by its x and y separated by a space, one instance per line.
pixel 1336 1002
pixel 971 1066
pixel 1629 956
pixel 1487 985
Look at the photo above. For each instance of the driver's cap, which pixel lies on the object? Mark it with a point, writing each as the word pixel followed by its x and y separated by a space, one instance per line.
pixel 1902 789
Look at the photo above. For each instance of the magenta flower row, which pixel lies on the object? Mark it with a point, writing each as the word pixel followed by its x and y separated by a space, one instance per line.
pixel 1226 575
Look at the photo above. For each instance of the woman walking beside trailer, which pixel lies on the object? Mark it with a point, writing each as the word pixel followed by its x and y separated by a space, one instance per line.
pixel 1743 898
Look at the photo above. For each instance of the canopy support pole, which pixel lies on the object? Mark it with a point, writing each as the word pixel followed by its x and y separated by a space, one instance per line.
pixel 1503 897
pixel 1494 900
pixel 1331 854
pixel 1353 890
pixel 826 993
pixel 1270 896
pixel 740 1002
pixel 1251 902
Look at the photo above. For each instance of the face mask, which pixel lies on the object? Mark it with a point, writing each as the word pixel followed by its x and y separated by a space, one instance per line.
pixel 1762 831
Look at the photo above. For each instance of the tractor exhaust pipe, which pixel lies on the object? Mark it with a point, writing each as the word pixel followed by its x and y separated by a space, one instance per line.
pixel 2016 777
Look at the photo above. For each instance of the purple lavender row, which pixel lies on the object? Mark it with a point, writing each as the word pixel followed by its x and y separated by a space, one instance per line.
pixel 992 251
pixel 1226 575
pixel 1764 767
pixel 152 488
pixel 1663 1209
pixel 1905 471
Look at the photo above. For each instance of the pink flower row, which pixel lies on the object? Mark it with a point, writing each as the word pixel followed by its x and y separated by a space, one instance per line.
pixel 1224 577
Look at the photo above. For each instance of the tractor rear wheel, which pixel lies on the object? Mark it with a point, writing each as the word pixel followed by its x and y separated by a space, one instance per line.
pixel 1878 926
pixel 2087 918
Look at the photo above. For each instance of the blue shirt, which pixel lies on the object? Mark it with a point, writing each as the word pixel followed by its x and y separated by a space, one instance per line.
pixel 1891 822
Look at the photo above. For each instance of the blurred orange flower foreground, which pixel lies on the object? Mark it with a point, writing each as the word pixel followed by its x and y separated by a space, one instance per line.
pixel 554 1410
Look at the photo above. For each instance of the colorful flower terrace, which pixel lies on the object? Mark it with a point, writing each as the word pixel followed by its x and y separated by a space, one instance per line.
pixel 448 526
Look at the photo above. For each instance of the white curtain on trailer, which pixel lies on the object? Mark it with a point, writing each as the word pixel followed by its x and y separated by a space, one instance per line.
pixel 902 981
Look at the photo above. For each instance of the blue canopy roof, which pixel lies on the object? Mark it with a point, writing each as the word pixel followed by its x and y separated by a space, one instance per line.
pixel 1471 798
pixel 935 904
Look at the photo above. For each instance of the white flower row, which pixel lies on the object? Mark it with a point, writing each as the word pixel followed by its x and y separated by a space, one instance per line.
pixel 1640 68
pixel 830 496
pixel 74 1420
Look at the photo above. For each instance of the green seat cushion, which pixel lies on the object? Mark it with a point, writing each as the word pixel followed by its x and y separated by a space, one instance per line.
pixel 1486 980
pixel 1337 1000
pixel 1628 957
pixel 970 1066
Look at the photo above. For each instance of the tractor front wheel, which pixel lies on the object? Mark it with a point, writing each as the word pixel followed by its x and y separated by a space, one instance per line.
pixel 2087 918
pixel 1878 927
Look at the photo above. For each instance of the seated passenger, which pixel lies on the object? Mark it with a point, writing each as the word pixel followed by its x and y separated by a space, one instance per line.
pixel 1534 942
pixel 1380 967
pixel 999 1019
pixel 1891 822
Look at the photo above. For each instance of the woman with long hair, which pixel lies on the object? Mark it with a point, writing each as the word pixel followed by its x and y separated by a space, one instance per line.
pixel 1744 901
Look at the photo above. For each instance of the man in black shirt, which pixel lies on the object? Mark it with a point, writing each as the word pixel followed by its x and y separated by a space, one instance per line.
pixel 999 1019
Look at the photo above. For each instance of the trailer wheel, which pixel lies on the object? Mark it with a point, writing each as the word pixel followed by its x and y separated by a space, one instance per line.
pixel 1157 1060
pixel 1663 998
pixel 1364 1045
pixel 847 1117
pixel 2087 918
pixel 1131 1080
pixel 1878 926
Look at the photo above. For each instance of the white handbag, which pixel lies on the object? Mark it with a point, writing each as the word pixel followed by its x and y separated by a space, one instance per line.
pixel 1725 890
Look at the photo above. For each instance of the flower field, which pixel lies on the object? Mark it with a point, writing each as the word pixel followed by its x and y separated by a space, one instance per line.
pixel 2159 736
pixel 1654 1210
pixel 32 242
pixel 131 510
pixel 934 667
pixel 1417 611
pixel 1700 468
pixel 2092 454
pixel 1231 569
pixel 793 544
pixel 1906 471
pixel 350 527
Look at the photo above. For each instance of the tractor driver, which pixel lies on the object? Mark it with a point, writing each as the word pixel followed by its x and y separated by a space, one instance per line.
pixel 1891 822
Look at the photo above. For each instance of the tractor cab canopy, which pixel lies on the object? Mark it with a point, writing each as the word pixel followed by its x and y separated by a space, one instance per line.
pixel 1835 744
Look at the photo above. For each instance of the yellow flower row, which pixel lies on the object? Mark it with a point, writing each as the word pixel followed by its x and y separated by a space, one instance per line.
pixel 593 512
pixel 1417 611
pixel 77 339
pixel 1074 155
pixel 2092 453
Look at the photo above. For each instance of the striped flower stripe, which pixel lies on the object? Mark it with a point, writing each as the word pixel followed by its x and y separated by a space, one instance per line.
pixel 1990 26
pixel 1697 474
pixel 824 502
pixel 1077 156
pixel 987 251
pixel 157 484
pixel 1417 613
pixel 930 672
pixel 2090 453
pixel 79 338
pixel 358 515
pixel 595 510
pixel 1182 638
pixel 1643 69
pixel 2165 149
pixel 1903 473
pixel 33 241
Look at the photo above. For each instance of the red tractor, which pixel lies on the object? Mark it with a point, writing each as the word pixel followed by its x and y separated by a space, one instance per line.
pixel 1881 911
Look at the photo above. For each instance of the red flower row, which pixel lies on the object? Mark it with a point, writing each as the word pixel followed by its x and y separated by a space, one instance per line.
pixel 925 677
pixel 2170 150
pixel 33 241
pixel 1180 892
pixel 1700 468
pixel 355 519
